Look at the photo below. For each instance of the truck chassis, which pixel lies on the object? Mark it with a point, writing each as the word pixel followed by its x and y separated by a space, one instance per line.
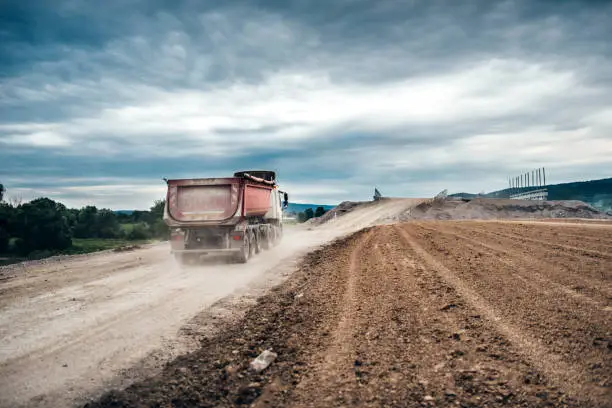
pixel 239 244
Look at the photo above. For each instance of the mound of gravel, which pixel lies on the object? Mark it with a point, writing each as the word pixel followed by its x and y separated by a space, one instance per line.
pixel 485 208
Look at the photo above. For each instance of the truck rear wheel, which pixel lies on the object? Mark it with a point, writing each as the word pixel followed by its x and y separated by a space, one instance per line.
pixel 257 237
pixel 266 239
pixel 245 250
pixel 278 233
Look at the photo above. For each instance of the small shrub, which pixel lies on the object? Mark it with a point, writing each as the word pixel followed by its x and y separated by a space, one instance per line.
pixel 40 254
pixel 138 233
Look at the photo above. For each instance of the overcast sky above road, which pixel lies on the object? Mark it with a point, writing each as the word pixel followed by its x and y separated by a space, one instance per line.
pixel 100 100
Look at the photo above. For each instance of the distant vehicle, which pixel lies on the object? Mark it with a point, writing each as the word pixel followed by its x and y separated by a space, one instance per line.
pixel 236 216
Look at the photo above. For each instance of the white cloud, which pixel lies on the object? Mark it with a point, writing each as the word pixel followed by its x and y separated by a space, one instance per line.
pixel 290 108
pixel 44 138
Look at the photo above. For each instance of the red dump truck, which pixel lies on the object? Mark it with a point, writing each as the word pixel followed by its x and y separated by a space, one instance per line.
pixel 236 216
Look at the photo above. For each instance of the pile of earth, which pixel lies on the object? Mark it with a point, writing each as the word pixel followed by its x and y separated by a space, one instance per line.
pixel 486 208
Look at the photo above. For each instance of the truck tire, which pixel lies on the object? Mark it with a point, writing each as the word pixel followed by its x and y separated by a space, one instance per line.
pixel 257 237
pixel 266 237
pixel 278 233
pixel 245 250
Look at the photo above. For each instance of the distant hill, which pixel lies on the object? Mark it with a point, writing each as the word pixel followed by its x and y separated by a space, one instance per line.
pixel 597 193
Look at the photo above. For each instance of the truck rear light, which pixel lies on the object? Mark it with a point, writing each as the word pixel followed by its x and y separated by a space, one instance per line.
pixel 237 237
pixel 177 237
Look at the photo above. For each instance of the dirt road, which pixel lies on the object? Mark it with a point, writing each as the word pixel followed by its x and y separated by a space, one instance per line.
pixel 71 328
pixel 464 314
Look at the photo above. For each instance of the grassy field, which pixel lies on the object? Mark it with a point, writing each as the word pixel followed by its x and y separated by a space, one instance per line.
pixel 79 246
pixel 87 245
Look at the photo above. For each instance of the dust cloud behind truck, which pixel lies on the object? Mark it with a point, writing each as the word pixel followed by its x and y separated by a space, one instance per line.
pixel 236 216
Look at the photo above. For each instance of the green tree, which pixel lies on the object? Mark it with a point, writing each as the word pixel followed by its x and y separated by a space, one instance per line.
pixel 157 211
pixel 86 222
pixel 43 225
pixel 159 229
pixel 6 219
pixel 306 215
pixel 4 241
pixel 142 216
pixel 124 218
pixel 73 218
pixel 107 224
pixel 309 213
pixel 2 191
pixel 319 212
pixel 93 223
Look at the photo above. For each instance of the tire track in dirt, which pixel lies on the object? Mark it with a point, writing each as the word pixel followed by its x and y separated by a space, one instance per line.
pixel 426 378
pixel 571 327
pixel 528 272
pixel 604 243
pixel 328 372
pixel 372 363
pixel 409 347
pixel 578 329
pixel 562 230
pixel 600 252
pixel 457 357
pixel 565 265
pixel 568 376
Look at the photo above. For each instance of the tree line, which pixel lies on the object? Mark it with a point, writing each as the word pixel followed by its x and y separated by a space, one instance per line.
pixel 308 214
pixel 46 225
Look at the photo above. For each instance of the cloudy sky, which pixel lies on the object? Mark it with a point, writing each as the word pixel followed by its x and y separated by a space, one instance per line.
pixel 100 100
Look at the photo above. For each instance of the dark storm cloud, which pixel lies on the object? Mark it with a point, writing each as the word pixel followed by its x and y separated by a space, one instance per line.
pixel 416 36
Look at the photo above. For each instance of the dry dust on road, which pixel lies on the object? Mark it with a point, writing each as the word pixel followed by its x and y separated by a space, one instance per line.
pixel 72 327
pixel 466 314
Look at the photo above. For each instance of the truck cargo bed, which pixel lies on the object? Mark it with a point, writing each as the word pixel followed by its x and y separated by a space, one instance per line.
pixel 217 200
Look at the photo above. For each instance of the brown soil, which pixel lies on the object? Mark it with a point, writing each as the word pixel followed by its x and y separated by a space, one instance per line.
pixel 470 314
pixel 488 208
